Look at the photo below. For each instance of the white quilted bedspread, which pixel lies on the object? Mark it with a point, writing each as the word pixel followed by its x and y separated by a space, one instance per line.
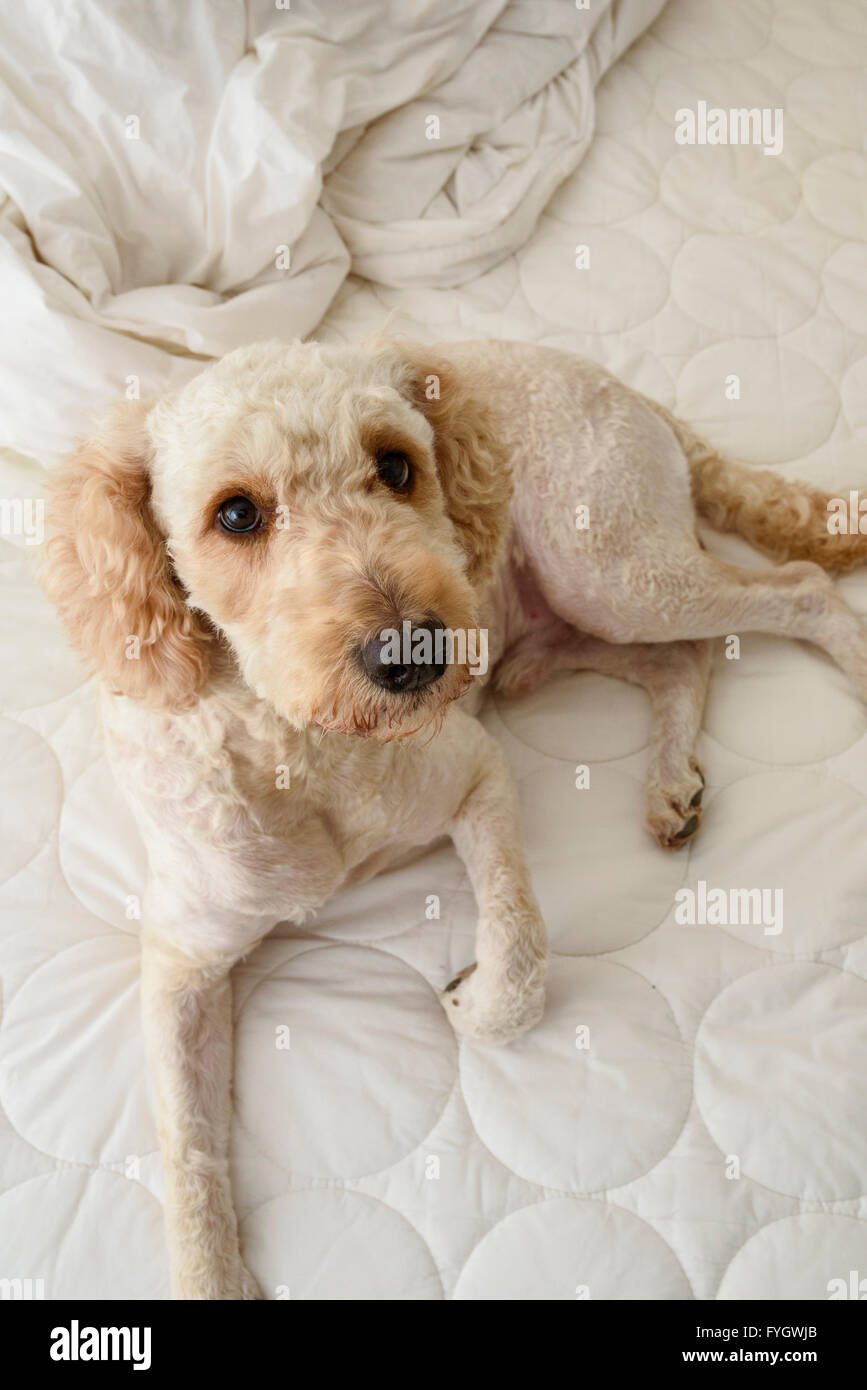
pixel 690 1118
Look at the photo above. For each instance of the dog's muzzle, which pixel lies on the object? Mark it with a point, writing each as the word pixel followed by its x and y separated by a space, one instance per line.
pixel 396 677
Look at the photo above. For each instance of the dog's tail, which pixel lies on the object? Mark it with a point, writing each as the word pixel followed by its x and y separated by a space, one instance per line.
pixel 788 520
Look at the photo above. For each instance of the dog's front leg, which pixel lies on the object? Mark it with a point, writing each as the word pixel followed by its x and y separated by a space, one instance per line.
pixel 187 1010
pixel 502 994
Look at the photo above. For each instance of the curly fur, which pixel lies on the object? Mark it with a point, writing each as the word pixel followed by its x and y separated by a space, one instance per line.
pixel 788 520
pixel 473 467
pixel 108 570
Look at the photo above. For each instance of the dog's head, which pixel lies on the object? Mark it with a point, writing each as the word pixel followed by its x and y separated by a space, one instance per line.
pixel 320 513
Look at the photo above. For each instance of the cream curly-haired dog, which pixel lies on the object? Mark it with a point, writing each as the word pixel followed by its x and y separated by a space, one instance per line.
pixel 228 559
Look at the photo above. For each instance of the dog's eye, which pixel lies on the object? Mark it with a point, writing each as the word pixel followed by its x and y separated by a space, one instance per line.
pixel 238 515
pixel 395 472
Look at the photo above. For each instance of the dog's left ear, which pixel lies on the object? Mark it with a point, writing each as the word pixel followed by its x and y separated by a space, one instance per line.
pixel 473 467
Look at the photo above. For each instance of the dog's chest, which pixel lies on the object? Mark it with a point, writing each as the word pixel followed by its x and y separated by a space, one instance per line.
pixel 231 797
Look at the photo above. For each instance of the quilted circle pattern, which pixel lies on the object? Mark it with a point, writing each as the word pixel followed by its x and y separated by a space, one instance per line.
pixel 617 182
pixel 811 1256
pixel 805 818
pixel 558 818
pixel 723 84
pixel 736 32
pixel 788 1138
pixel 734 286
pixel 822 715
pixel 94 812
pixel 312 1096
pixel 853 393
pixel 835 191
pixel 337 1245
pixel 615 718
pixel 564 293
pixel 796 31
pixel 742 199
pixel 786 406
pixel 56 1229
pixel 845 284
pixel 696 1090
pixel 831 106
pixel 560 1250
pixel 72 1014
pixel 45 668
pixel 27 821
pixel 603 1024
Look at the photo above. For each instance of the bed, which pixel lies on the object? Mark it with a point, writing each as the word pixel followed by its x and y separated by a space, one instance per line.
pixel 689 1121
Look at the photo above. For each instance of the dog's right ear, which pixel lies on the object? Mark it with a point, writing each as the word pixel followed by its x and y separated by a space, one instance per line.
pixel 472 465
pixel 108 571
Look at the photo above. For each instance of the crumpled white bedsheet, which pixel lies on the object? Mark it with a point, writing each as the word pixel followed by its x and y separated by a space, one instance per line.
pixel 163 167
pixel 711 1142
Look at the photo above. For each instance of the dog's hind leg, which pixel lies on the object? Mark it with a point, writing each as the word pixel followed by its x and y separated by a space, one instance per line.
pixel 713 599
pixel 674 675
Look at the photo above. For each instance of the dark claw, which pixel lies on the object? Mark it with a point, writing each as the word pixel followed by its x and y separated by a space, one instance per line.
pixel 688 829
pixel 696 800
pixel 467 970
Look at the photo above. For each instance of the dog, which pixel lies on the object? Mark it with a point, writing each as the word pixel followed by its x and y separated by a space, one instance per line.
pixel 228 558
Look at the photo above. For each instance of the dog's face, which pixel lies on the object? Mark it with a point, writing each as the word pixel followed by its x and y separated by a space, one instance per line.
pixel 328 511
pixel 298 492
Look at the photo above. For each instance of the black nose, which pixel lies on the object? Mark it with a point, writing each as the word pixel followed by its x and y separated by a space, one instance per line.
pixel 402 676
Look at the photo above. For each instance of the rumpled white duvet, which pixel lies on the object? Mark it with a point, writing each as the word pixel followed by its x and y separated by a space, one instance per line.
pixel 689 1120
pixel 196 176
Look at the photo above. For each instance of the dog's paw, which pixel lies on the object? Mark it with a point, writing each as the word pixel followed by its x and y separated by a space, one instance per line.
pixel 674 810
pixel 489 1011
